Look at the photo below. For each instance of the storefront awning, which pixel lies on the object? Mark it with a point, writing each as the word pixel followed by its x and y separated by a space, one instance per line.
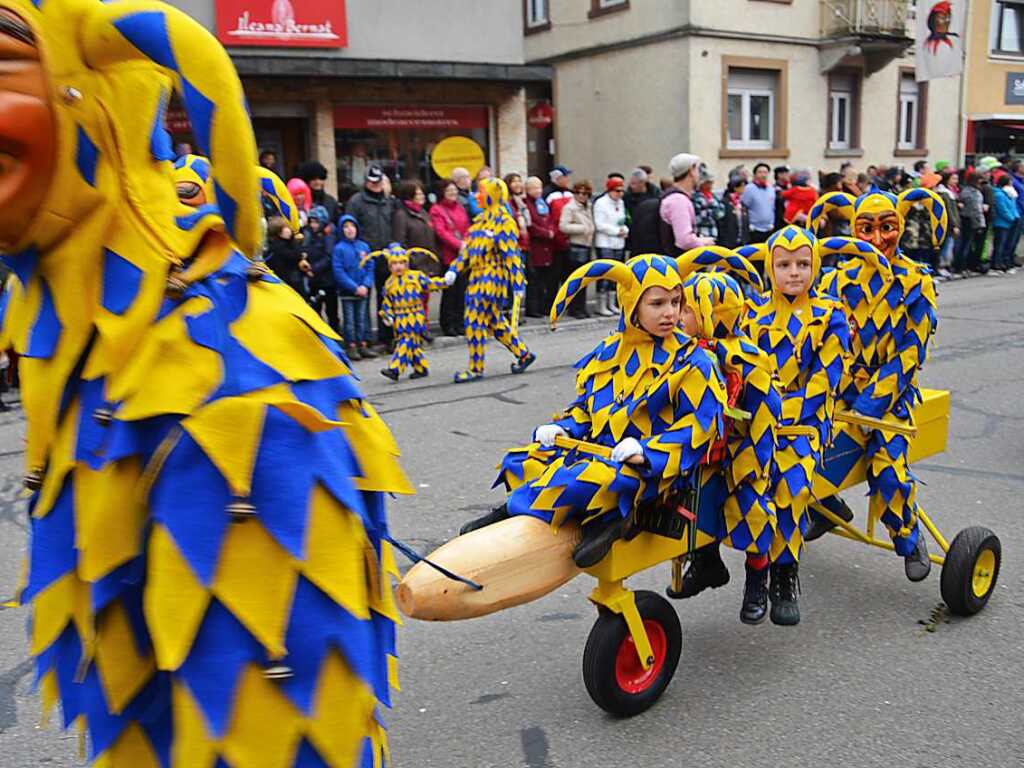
pixel 291 66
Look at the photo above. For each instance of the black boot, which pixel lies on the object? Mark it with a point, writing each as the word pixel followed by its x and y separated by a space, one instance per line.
pixel 390 373
pixel 706 571
pixel 755 596
pixel 917 564
pixel 496 515
pixel 598 537
pixel 820 525
pixel 783 592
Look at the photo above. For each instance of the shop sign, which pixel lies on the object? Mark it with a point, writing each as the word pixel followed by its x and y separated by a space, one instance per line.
pixel 284 23
pixel 176 121
pixel 372 117
pixel 541 115
pixel 456 152
pixel 1015 87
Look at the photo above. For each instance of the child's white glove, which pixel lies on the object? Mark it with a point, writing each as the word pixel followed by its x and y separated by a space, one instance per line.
pixel 627 449
pixel 449 278
pixel 546 434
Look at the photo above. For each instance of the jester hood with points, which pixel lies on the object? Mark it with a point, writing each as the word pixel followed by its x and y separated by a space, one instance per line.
pixel 634 352
pixel 664 392
pixel 163 380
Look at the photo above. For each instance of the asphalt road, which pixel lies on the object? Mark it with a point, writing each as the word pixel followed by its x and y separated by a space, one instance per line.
pixel 861 682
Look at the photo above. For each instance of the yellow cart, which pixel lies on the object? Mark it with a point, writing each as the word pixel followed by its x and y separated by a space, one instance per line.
pixel 633 648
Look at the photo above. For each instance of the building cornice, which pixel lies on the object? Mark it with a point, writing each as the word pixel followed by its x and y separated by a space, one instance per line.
pixel 691 30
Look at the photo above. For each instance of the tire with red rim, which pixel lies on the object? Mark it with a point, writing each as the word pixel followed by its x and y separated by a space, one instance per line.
pixel 612 672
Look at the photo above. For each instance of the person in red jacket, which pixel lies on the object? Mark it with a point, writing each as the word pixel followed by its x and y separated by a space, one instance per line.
pixel 800 198
pixel 451 222
pixel 542 273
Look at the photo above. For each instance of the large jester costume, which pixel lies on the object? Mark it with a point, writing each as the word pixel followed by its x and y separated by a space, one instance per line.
pixel 891 305
pixel 714 309
pixel 657 398
pixel 491 254
pixel 208 557
pixel 807 338
pixel 402 309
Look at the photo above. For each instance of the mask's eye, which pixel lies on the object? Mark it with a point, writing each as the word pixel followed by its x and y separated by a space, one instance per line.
pixel 187 190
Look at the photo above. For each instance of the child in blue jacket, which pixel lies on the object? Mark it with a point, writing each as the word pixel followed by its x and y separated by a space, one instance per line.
pixel 353 272
pixel 1004 221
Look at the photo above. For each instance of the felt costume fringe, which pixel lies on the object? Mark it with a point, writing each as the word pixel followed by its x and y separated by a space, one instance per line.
pixel 666 393
pixel 208 575
pixel 492 256
pixel 748 519
pixel 807 338
pixel 892 308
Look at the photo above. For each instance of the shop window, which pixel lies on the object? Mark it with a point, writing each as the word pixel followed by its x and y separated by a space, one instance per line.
pixel 751 109
pixel 911 114
pixel 843 109
pixel 536 15
pixel 400 139
pixel 602 7
pixel 1007 28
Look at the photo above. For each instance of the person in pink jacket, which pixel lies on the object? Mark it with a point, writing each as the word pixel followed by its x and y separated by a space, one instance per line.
pixel 451 222
pixel 677 208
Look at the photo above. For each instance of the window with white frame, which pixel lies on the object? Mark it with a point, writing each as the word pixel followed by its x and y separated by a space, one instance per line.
pixel 751 108
pixel 536 13
pixel 610 3
pixel 841 104
pixel 909 113
pixel 1007 36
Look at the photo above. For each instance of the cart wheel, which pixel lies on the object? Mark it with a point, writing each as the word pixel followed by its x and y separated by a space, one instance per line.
pixel 612 672
pixel 971 569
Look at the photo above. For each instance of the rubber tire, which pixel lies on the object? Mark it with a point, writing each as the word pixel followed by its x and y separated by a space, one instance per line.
pixel 958 571
pixel 607 635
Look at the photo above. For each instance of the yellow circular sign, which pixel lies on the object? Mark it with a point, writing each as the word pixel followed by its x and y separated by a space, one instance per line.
pixel 457 152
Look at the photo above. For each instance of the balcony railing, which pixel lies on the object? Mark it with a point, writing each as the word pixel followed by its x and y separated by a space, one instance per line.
pixel 844 18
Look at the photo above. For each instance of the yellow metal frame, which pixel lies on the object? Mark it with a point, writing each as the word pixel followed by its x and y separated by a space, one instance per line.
pixel 627 558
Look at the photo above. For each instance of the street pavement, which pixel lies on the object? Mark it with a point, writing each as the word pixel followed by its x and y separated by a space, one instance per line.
pixel 876 674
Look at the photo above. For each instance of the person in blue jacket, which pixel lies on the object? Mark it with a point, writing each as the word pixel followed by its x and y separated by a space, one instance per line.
pixel 353 272
pixel 1004 224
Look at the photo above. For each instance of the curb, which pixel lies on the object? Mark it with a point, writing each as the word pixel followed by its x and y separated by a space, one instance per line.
pixel 534 327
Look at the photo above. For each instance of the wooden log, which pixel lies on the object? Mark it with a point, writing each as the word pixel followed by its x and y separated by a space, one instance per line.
pixel 515 561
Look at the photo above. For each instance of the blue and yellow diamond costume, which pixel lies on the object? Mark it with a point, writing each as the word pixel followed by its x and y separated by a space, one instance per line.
pixel 208 572
pixel 402 305
pixel 808 339
pixel 665 392
pixel 491 254
pixel 892 309
pixel 719 305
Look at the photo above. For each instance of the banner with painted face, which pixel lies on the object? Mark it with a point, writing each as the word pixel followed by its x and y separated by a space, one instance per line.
pixel 939 38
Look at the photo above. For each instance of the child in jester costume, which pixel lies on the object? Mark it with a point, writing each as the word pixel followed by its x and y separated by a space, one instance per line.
pixel 648 392
pixel 402 309
pixel 189 602
pixel 891 306
pixel 495 264
pixel 713 310
pixel 806 335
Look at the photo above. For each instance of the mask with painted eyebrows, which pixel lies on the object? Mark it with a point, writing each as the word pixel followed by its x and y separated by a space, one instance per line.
pixel 28 136
pixel 881 229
